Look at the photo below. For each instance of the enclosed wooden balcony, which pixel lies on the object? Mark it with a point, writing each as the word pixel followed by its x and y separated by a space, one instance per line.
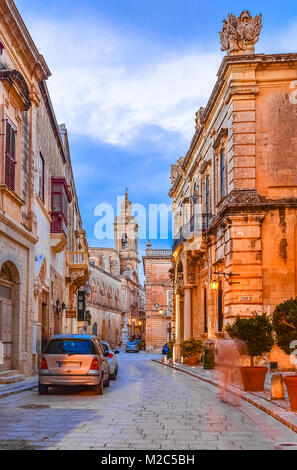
pixel 78 260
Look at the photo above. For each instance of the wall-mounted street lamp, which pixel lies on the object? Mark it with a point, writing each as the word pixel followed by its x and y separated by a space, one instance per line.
pixel 227 277
pixel 57 307
pixel 214 285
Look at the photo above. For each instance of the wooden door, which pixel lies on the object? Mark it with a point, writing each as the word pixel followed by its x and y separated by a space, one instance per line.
pixel 6 332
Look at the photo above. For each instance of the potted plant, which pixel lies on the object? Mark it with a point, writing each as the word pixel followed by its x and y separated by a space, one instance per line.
pixel 284 321
pixel 209 355
pixel 257 333
pixel 142 344
pixel 191 349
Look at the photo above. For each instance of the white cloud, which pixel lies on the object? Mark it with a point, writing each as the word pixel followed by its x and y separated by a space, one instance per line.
pixel 110 86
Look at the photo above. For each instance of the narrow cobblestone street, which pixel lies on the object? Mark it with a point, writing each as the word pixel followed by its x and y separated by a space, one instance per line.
pixel 148 407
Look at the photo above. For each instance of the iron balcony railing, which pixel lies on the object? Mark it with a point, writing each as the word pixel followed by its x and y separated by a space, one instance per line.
pixel 197 225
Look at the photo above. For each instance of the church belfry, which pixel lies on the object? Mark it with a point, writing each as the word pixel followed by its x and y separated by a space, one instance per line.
pixel 126 238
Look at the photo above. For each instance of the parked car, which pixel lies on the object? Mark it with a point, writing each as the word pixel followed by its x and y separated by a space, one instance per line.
pixel 165 349
pixel 132 347
pixel 73 360
pixel 110 355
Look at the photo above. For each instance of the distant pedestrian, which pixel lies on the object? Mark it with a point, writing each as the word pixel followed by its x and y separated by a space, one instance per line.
pixel 228 352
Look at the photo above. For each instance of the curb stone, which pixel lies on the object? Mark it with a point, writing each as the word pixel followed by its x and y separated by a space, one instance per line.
pixel 18 388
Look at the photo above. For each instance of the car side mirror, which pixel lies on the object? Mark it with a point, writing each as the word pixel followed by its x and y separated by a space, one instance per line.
pixel 117 351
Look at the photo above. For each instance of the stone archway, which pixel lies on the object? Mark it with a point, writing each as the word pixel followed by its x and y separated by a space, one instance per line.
pixel 9 314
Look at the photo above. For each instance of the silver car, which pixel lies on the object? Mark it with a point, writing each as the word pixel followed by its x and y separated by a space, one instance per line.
pixel 72 360
pixel 110 355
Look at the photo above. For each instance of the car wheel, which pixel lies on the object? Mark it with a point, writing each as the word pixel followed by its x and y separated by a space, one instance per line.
pixel 107 383
pixel 42 389
pixel 114 375
pixel 98 389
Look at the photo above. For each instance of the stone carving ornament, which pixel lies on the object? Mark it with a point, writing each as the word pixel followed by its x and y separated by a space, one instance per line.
pixel 199 118
pixel 239 35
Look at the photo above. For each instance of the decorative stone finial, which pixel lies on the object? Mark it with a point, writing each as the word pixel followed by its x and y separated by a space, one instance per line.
pixel 199 118
pixel 126 205
pixel 239 35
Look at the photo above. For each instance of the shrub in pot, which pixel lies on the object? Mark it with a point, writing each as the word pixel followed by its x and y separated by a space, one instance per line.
pixel 257 333
pixel 142 344
pixel 191 349
pixel 284 321
pixel 209 357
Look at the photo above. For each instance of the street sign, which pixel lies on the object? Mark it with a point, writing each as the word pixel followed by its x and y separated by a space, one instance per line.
pixel 81 305
pixel 71 313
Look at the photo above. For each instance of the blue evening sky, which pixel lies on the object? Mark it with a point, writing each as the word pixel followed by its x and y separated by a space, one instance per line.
pixel 127 78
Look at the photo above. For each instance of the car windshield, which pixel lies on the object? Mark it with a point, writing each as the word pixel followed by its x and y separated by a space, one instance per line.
pixel 70 346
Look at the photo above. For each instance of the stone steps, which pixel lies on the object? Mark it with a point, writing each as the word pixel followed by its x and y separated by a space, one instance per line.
pixel 10 376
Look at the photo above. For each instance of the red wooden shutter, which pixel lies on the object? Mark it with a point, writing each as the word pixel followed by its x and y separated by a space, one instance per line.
pixel 10 156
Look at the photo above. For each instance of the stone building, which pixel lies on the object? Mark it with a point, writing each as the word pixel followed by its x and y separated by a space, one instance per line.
pixel 61 252
pixel 158 295
pixel 235 192
pixel 115 291
pixel 43 249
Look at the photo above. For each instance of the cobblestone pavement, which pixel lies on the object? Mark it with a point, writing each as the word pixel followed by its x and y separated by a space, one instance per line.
pixel 149 406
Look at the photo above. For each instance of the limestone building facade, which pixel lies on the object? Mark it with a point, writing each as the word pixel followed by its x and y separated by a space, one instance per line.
pixel 158 297
pixel 235 192
pixel 114 288
pixel 43 248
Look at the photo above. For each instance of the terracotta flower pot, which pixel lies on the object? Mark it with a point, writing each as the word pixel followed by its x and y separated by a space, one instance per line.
pixel 291 384
pixel 192 361
pixel 253 378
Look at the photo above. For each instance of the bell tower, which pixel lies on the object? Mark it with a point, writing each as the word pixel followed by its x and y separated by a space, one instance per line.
pixel 126 239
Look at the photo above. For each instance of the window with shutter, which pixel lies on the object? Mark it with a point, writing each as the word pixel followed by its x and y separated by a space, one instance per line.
pixel 223 173
pixel 60 200
pixel 220 308
pixel 205 310
pixel 10 155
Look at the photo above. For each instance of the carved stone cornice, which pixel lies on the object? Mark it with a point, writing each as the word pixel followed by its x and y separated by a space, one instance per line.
pixel 20 36
pixel 241 90
pixel 245 202
pixel 223 133
pixel 16 79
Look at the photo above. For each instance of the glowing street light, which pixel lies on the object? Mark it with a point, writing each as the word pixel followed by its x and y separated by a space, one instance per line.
pixel 214 285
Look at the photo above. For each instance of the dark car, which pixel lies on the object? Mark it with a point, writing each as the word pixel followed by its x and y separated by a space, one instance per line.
pixel 132 347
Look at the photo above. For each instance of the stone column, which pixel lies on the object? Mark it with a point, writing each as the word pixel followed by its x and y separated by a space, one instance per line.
pixel 188 313
pixel 177 319
pixel 176 348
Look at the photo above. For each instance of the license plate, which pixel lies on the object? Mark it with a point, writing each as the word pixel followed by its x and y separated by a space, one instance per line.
pixel 75 365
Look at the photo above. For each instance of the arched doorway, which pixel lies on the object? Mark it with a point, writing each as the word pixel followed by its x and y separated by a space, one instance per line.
pixel 9 318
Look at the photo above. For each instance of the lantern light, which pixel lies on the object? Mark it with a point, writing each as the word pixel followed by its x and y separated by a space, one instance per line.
pixel 214 285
